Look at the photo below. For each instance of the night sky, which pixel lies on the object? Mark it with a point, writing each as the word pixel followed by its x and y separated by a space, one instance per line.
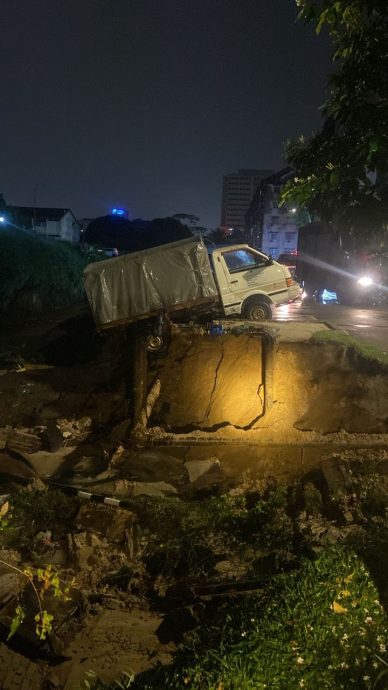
pixel 147 103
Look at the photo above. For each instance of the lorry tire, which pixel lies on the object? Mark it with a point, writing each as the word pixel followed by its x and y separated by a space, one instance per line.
pixel 156 343
pixel 257 309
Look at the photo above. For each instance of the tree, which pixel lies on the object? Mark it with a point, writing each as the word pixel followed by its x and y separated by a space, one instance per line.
pixel 135 235
pixel 187 218
pixel 343 168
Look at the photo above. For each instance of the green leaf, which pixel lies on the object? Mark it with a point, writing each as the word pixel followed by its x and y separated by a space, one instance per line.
pixel 16 622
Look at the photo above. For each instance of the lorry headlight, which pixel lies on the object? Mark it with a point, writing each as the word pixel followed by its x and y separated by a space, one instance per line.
pixel 365 281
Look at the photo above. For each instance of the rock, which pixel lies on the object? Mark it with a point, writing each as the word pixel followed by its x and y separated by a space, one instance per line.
pixel 337 479
pixel 196 468
pixel 158 489
pixel 113 523
pixel 117 458
pixel 212 482
pixel 11 585
pixel 85 546
pixel 123 487
pixel 110 643
pixel 312 499
pixel 17 672
pixel 13 468
pixel 83 424
pixel 231 568
pixel 23 441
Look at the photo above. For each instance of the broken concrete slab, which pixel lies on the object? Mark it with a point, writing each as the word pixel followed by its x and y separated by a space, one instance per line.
pixel 106 521
pixel 152 465
pixel 156 489
pixel 112 642
pixel 196 468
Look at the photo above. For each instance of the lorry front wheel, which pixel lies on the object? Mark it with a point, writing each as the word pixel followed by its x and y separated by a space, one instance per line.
pixel 156 343
pixel 256 309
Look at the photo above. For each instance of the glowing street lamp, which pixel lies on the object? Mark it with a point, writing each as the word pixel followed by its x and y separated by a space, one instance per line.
pixel 2 219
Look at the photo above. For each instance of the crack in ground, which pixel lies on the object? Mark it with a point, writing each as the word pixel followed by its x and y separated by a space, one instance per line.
pixel 208 410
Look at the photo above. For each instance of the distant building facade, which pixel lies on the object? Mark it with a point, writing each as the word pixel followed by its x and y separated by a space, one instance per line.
pixel 238 190
pixel 57 223
pixel 271 227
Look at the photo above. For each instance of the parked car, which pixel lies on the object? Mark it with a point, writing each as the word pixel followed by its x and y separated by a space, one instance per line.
pixel 109 251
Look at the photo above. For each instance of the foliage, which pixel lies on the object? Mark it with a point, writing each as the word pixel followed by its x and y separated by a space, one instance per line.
pixel 32 511
pixel 343 168
pixel 133 236
pixel 49 271
pixel 320 627
pixel 41 580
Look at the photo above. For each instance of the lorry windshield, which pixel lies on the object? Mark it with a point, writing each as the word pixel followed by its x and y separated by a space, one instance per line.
pixel 242 260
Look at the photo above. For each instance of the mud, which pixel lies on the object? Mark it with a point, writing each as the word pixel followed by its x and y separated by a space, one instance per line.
pixel 207 433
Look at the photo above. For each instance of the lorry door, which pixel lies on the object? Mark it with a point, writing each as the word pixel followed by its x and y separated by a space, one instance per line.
pixel 246 272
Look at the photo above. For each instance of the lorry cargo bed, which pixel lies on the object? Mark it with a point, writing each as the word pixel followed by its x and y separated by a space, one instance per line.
pixel 143 284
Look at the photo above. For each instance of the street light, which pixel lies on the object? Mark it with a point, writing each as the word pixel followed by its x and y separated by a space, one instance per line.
pixel 2 219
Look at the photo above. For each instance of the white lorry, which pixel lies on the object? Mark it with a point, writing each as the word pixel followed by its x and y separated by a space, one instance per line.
pixel 231 280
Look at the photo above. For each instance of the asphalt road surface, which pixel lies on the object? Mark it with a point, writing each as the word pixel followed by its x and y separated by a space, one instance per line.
pixel 367 325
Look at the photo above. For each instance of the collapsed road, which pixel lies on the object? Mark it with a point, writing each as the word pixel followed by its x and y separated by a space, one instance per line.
pixel 218 411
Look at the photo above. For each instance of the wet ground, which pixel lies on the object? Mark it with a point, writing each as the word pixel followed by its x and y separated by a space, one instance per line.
pixel 370 325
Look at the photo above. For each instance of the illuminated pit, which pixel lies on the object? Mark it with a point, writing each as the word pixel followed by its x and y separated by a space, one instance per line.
pixel 246 387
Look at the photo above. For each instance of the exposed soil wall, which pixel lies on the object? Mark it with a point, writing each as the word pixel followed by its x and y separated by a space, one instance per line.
pixel 212 383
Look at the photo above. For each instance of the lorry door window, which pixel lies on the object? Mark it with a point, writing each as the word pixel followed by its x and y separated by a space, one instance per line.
pixel 242 260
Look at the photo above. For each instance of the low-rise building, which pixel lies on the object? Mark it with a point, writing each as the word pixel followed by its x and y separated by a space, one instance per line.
pixel 56 223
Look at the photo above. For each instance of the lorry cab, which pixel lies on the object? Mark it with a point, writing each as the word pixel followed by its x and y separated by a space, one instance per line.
pixel 250 282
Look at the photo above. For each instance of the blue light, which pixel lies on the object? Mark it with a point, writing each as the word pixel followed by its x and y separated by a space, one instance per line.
pixel 328 296
pixel 119 212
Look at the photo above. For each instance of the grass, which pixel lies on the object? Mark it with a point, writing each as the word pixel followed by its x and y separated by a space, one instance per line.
pixel 320 627
pixel 369 352
pixel 51 271
pixel 37 511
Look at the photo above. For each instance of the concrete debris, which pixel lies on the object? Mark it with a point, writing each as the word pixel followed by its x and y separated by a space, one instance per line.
pixel 156 489
pixel 196 468
pixel 110 523
pixel 17 440
pixel 337 478
pixel 15 469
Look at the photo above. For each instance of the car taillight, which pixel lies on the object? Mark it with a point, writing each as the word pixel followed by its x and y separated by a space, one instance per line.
pixel 289 282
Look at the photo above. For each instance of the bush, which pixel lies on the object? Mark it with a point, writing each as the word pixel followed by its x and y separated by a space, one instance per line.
pixel 38 272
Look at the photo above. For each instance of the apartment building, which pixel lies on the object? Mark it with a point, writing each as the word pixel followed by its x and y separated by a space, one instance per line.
pixel 238 190
pixel 269 226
